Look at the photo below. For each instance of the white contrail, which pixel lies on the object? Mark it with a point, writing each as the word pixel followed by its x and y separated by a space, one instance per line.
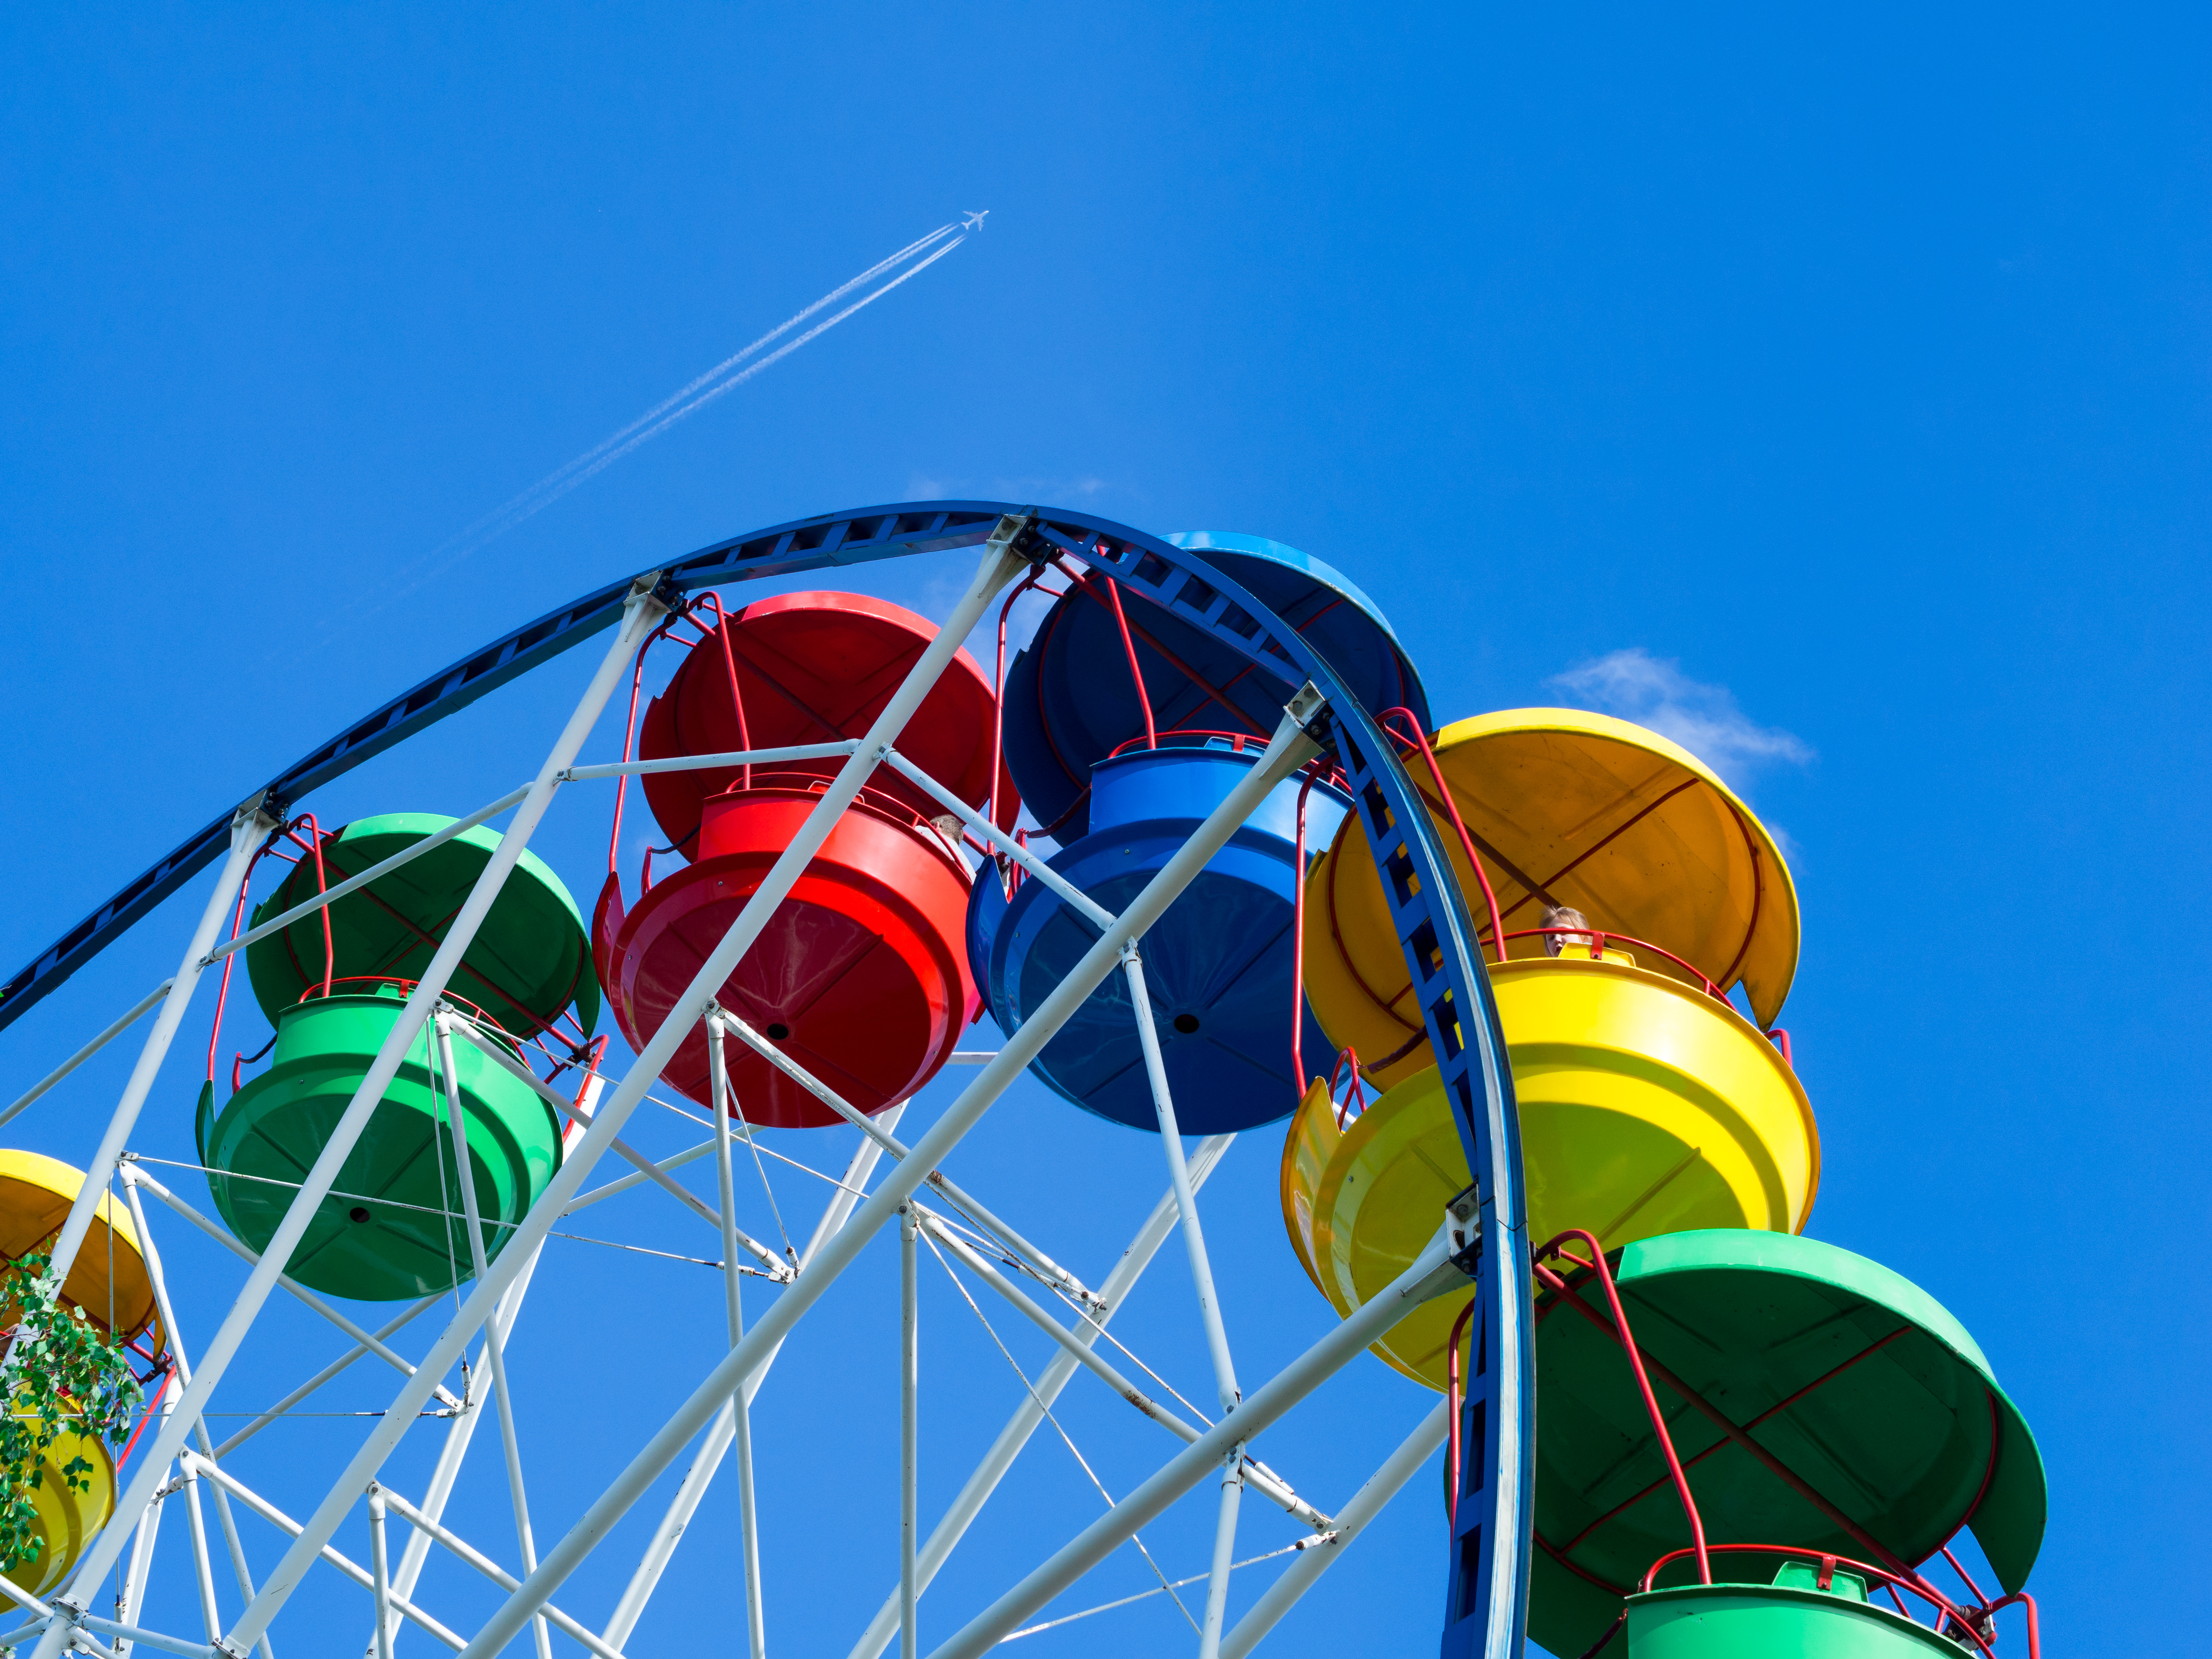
pixel 568 481
pixel 565 477
pixel 494 522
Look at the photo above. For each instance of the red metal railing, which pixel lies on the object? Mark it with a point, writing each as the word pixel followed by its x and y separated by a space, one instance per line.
pixel 1972 1623
pixel 1596 937
pixel 1598 1264
pixel 1451 1433
pixel 404 986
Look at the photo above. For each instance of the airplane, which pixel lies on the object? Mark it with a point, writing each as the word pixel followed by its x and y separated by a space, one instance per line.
pixel 972 220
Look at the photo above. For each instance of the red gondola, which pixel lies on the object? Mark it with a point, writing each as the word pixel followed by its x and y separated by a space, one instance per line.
pixel 862 976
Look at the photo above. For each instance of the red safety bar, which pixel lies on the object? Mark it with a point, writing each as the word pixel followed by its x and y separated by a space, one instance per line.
pixel 1972 1623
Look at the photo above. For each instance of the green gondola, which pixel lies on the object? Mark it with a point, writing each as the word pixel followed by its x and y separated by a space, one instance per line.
pixel 1822 1406
pixel 393 1226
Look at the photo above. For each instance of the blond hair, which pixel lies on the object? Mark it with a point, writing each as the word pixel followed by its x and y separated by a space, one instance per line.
pixel 1565 915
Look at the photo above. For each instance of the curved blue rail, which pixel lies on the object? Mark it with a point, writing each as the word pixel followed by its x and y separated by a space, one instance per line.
pixel 1485 1611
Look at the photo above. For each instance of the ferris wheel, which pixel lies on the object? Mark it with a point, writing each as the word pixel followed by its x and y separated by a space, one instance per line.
pixel 1202 855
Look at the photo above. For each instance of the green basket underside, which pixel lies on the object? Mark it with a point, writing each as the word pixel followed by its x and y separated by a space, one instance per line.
pixel 1899 1441
pixel 529 960
pixel 403 1171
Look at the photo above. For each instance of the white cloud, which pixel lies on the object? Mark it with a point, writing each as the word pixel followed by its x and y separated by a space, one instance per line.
pixel 1704 718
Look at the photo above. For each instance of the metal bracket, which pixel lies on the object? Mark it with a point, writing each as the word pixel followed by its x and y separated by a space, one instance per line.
pixel 1463 1222
pixel 1016 533
pixel 1309 708
pixel 660 588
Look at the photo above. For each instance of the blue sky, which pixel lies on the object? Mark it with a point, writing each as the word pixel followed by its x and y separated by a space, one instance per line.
pixel 1834 388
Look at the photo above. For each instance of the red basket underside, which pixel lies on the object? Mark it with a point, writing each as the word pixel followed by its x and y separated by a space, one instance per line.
pixel 860 963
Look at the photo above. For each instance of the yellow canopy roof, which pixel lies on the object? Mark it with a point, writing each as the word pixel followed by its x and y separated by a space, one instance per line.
pixel 1634 831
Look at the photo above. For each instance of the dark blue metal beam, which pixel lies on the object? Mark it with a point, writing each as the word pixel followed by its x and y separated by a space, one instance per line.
pixel 1487 1586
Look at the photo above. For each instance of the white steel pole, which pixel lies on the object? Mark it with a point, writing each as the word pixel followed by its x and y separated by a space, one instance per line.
pixel 909 1432
pixel 740 1409
pixel 249 827
pixel 1318 1557
pixel 998 567
pixel 1073 1344
pixel 210 1615
pixel 891 1143
pixel 494 1349
pixel 849 1189
pixel 158 1280
pixel 1224 1552
pixel 723 1432
pixel 1286 751
pixel 129 1606
pixel 1029 1414
pixel 1430 1274
pixel 1194 1236
pixel 640 614
pixel 380 1563
pixel 459 1434
pixel 24 1101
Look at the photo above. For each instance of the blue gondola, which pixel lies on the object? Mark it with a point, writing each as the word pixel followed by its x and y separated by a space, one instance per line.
pixel 1070 701
pixel 1218 963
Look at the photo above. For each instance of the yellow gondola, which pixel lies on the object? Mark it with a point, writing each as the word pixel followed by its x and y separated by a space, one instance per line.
pixel 1590 812
pixel 109 1281
pixel 1648 1103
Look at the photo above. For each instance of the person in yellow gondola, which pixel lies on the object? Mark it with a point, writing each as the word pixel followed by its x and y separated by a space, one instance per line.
pixel 1584 945
pixel 1565 915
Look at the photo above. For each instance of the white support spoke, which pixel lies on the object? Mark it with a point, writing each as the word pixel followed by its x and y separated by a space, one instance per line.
pixel 641 612
pixel 1084 1355
pixel 158 1280
pixel 752 918
pixel 439 1533
pixel 798 752
pixel 1432 1274
pixel 1042 1264
pixel 126 1634
pixel 1224 1552
pixel 284 1523
pixel 1084 905
pixel 134 1177
pixel 1366 1503
pixel 22 1102
pixel 740 1409
pixel 379 1564
pixel 203 1569
pixel 377 871
pixel 646 1169
pixel 459 1433
pixel 130 1607
pixel 249 828
pixel 910 1434
pixel 721 1435
pixel 638 1177
pixel 495 1349
pixel 1030 1413
pixel 1286 751
pixel 1193 1237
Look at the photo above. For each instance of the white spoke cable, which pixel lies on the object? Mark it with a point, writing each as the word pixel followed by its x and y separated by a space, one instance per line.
pixel 1195 1578
pixel 1065 1439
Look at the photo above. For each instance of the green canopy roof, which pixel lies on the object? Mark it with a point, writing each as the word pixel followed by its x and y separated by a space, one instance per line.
pixel 1848 1377
pixel 529 961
